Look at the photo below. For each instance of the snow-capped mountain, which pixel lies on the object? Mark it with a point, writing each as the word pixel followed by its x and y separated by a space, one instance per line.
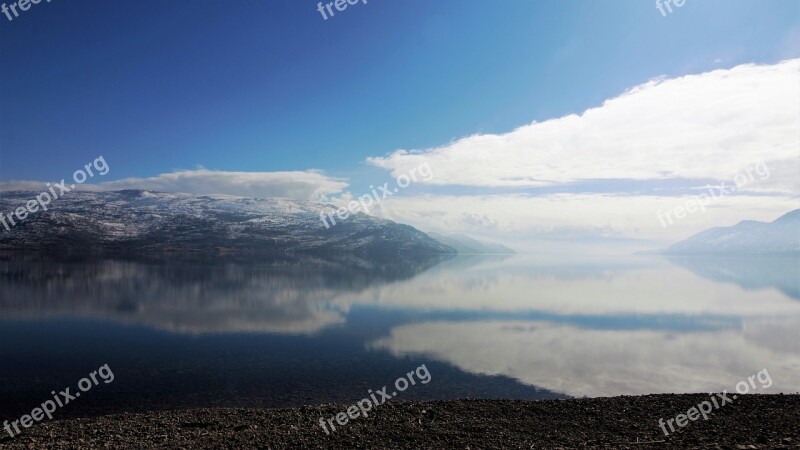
pixel 749 237
pixel 144 222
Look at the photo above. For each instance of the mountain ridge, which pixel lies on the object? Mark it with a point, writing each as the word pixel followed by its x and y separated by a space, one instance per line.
pixel 748 237
pixel 143 222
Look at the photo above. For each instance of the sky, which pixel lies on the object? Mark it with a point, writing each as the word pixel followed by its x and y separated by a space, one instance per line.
pixel 538 119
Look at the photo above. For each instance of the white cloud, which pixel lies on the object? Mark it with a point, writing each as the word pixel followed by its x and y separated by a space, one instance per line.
pixel 706 126
pixel 576 215
pixel 306 185
pixel 22 185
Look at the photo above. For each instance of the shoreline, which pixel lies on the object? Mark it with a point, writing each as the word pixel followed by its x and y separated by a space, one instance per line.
pixel 752 421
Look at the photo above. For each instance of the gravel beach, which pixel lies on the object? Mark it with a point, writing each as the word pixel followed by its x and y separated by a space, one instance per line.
pixel 751 421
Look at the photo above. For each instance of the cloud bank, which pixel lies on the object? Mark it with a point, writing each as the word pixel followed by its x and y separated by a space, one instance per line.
pixel 696 127
pixel 576 215
pixel 305 185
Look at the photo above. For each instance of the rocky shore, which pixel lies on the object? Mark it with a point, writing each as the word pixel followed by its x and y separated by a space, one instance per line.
pixel 751 421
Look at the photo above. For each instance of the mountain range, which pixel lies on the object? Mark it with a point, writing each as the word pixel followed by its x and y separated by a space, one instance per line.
pixel 146 223
pixel 749 237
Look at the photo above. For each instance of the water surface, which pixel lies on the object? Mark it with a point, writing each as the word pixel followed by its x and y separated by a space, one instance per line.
pixel 294 332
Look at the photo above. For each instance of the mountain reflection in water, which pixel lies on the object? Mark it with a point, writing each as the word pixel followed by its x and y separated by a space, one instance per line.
pixel 312 330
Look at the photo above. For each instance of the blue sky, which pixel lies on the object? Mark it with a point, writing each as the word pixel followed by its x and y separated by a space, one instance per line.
pixel 269 86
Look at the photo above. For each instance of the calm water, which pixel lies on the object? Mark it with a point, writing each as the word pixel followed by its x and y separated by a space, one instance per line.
pixel 312 331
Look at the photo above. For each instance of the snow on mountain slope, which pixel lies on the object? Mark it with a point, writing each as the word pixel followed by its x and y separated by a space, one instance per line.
pixel 135 221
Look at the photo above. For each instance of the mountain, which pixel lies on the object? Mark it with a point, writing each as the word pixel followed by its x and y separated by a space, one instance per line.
pixel 749 237
pixel 145 223
pixel 467 246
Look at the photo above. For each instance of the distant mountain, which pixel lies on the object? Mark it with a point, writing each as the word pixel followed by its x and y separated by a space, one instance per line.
pixel 145 223
pixel 467 246
pixel 749 237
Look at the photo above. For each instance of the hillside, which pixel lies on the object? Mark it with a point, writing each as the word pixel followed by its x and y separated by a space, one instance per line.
pixel 136 222
pixel 749 237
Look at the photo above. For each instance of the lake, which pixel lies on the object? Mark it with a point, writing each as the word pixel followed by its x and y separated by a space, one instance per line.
pixel 310 330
